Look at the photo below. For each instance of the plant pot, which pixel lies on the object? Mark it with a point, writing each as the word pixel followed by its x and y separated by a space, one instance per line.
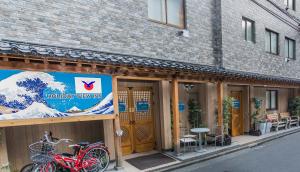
pixel 226 140
pixel 262 127
pixel 254 132
pixel 269 126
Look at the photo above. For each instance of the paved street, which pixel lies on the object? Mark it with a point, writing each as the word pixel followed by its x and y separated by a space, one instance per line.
pixel 281 155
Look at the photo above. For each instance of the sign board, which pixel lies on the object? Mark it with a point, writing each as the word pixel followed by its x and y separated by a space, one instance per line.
pixel 122 106
pixel 142 106
pixel 181 107
pixel 28 94
pixel 236 104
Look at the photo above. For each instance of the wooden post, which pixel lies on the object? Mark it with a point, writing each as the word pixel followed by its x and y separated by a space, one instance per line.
pixel 251 96
pixel 165 114
pixel 108 127
pixel 4 164
pixel 117 127
pixel 220 95
pixel 176 129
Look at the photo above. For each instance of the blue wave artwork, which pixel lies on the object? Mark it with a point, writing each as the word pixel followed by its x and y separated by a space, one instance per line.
pixel 28 94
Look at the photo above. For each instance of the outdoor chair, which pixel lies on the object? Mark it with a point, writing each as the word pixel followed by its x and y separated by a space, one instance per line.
pixel 217 134
pixel 277 122
pixel 292 120
pixel 188 140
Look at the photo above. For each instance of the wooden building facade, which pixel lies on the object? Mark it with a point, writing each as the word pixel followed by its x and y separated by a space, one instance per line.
pixel 160 87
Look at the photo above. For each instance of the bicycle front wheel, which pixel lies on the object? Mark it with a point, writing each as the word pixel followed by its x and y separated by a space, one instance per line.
pixel 95 160
pixel 27 168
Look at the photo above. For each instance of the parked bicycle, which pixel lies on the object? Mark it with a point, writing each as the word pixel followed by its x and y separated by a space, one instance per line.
pixel 85 158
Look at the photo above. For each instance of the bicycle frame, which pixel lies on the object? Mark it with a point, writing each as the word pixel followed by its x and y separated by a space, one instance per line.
pixel 76 162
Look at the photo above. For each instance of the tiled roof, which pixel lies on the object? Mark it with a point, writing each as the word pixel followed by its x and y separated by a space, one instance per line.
pixel 22 48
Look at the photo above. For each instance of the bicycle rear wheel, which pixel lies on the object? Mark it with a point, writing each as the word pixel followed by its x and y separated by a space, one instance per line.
pixel 95 160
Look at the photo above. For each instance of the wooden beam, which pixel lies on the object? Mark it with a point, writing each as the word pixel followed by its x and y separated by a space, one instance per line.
pixel 140 78
pixel 10 123
pixel 4 163
pixel 176 129
pixel 165 114
pixel 117 127
pixel 251 96
pixel 220 96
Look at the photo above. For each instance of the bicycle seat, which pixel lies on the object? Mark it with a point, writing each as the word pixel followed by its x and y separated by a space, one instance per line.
pixel 83 144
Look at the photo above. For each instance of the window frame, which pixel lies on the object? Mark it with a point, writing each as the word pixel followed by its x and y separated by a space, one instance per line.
pixel 286 3
pixel 277 43
pixel 246 20
pixel 294 48
pixel 182 16
pixel 270 100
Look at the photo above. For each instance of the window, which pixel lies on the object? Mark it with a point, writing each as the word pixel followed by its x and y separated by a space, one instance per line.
pixel 271 99
pixel 169 12
pixel 290 4
pixel 289 48
pixel 271 42
pixel 248 29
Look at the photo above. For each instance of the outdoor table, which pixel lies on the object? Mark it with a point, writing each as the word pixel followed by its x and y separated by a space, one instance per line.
pixel 199 131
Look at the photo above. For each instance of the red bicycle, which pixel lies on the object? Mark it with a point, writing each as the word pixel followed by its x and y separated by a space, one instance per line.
pixel 85 158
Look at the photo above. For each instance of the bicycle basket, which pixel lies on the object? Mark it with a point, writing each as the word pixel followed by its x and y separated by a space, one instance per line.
pixel 41 152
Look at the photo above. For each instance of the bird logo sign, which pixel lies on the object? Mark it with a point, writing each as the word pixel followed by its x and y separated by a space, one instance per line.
pixel 88 85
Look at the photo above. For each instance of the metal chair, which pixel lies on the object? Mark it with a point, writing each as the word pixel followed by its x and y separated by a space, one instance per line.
pixel 218 132
pixel 187 139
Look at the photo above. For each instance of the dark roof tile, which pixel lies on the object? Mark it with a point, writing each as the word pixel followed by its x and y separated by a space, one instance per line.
pixel 15 47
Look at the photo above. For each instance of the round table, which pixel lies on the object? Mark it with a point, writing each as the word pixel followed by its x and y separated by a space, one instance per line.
pixel 199 131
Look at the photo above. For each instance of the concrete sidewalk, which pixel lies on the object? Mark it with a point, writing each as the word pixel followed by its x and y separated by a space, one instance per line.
pixel 238 143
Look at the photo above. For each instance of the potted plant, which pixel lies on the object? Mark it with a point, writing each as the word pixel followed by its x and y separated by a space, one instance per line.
pixel 294 106
pixel 195 113
pixel 258 124
pixel 227 107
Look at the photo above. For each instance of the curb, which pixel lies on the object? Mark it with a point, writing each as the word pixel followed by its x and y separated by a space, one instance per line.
pixel 223 152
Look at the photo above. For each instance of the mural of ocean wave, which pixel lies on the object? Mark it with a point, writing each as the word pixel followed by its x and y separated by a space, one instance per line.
pixel 22 89
pixel 22 95
pixel 39 110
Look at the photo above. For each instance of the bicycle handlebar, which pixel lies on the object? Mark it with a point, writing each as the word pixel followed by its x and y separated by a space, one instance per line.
pixel 50 139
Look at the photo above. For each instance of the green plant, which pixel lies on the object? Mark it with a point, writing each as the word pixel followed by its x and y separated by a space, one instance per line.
pixel 227 106
pixel 195 113
pixel 294 106
pixel 255 115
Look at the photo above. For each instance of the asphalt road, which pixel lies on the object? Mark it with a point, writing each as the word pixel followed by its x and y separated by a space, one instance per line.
pixel 281 155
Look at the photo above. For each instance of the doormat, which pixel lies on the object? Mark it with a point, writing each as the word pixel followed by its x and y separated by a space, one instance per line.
pixel 149 161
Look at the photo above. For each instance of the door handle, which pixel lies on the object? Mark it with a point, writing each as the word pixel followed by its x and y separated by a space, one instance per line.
pixel 132 122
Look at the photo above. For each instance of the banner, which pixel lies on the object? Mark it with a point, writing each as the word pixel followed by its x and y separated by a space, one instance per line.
pixel 27 94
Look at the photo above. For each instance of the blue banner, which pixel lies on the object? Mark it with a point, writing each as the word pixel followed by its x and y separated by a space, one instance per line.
pixel 122 106
pixel 27 94
pixel 142 106
pixel 181 107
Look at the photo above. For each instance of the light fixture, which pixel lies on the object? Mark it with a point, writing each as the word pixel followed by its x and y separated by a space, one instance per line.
pixel 188 87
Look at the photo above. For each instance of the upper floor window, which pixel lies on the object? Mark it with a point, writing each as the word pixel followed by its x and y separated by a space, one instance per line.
pixel 169 12
pixel 290 4
pixel 289 48
pixel 248 30
pixel 271 42
pixel 271 99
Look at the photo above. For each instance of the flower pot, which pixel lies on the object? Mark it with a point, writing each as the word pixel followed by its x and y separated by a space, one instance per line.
pixel 269 126
pixel 262 127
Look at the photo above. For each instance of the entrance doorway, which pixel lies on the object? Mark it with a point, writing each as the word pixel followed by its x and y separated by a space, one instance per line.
pixel 237 121
pixel 136 118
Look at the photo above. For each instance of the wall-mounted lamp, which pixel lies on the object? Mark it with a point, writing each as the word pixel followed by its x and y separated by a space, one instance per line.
pixel 188 87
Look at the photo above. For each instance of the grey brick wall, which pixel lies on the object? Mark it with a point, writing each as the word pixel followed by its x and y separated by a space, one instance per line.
pixel 247 56
pixel 119 26
pixel 122 26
